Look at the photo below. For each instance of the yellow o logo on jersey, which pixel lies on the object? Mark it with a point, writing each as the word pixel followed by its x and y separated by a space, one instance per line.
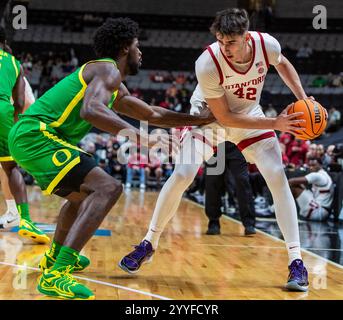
pixel 58 163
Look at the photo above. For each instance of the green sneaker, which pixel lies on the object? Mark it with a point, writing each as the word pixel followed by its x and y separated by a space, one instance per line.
pixel 60 283
pixel 28 230
pixel 48 261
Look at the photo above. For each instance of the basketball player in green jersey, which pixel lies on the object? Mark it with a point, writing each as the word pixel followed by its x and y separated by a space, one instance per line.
pixel 44 141
pixel 12 84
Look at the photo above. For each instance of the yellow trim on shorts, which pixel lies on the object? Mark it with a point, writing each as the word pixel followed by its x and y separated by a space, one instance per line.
pixel 4 159
pixel 68 167
pixel 61 175
pixel 15 67
pixel 42 127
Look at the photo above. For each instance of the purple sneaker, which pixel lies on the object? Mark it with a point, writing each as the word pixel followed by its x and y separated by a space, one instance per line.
pixel 298 278
pixel 133 261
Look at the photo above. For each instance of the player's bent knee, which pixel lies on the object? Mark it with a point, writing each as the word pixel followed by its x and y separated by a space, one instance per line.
pixel 112 188
pixel 275 174
pixel 184 177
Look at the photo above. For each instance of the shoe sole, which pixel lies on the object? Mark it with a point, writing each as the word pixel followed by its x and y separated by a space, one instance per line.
pixel 34 237
pixel 58 296
pixel 294 286
pixel 124 268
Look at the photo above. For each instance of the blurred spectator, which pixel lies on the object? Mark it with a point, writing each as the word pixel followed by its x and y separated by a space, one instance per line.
pixel 103 164
pixel 328 157
pixel 180 78
pixel 167 169
pixel 100 147
pixel 166 103
pixel 319 82
pixel 285 160
pixel 172 91
pixel 177 105
pixel 154 168
pixel 74 61
pixel 320 151
pixel 137 163
pixel 297 152
pixel 136 92
pixel 337 164
pixel 90 148
pixel 314 204
pixel 304 51
pixel 286 139
pixel 156 77
pixel 337 80
pixel 312 149
pixel 117 170
pixel 334 120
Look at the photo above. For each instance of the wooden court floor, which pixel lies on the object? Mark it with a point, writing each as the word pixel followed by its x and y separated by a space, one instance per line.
pixel 188 264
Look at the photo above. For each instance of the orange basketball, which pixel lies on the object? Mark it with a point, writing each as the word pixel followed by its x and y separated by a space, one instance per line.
pixel 314 114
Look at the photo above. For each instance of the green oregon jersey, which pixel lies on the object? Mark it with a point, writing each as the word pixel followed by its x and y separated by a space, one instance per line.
pixel 59 107
pixel 9 71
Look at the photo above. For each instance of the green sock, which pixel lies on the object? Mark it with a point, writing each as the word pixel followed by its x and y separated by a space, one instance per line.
pixel 23 209
pixel 55 249
pixel 66 257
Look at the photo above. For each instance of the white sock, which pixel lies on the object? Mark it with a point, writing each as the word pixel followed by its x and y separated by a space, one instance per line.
pixel 169 199
pixel 11 206
pixel 293 249
pixel 269 164
pixel 171 194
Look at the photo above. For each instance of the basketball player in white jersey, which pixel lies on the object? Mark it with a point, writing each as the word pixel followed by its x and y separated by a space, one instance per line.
pixel 231 75
pixel 313 204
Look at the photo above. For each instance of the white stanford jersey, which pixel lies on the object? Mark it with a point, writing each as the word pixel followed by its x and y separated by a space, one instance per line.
pixel 217 75
pixel 322 187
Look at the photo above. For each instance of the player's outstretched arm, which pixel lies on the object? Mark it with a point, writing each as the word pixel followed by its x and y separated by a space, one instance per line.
pixel 18 95
pixel 290 77
pixel 103 79
pixel 138 109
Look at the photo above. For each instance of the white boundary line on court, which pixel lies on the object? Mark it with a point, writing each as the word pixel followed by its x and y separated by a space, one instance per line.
pixel 262 247
pixel 95 281
pixel 273 237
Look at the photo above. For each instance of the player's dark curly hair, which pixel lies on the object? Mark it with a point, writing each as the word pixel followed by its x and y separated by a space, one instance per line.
pixel 114 35
pixel 2 35
pixel 230 21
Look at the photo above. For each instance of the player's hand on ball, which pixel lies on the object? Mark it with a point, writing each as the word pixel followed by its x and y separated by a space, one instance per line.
pixel 288 123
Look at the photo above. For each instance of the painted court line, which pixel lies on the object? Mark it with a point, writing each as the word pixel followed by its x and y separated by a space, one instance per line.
pixel 95 281
pixel 307 231
pixel 274 238
pixel 260 247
